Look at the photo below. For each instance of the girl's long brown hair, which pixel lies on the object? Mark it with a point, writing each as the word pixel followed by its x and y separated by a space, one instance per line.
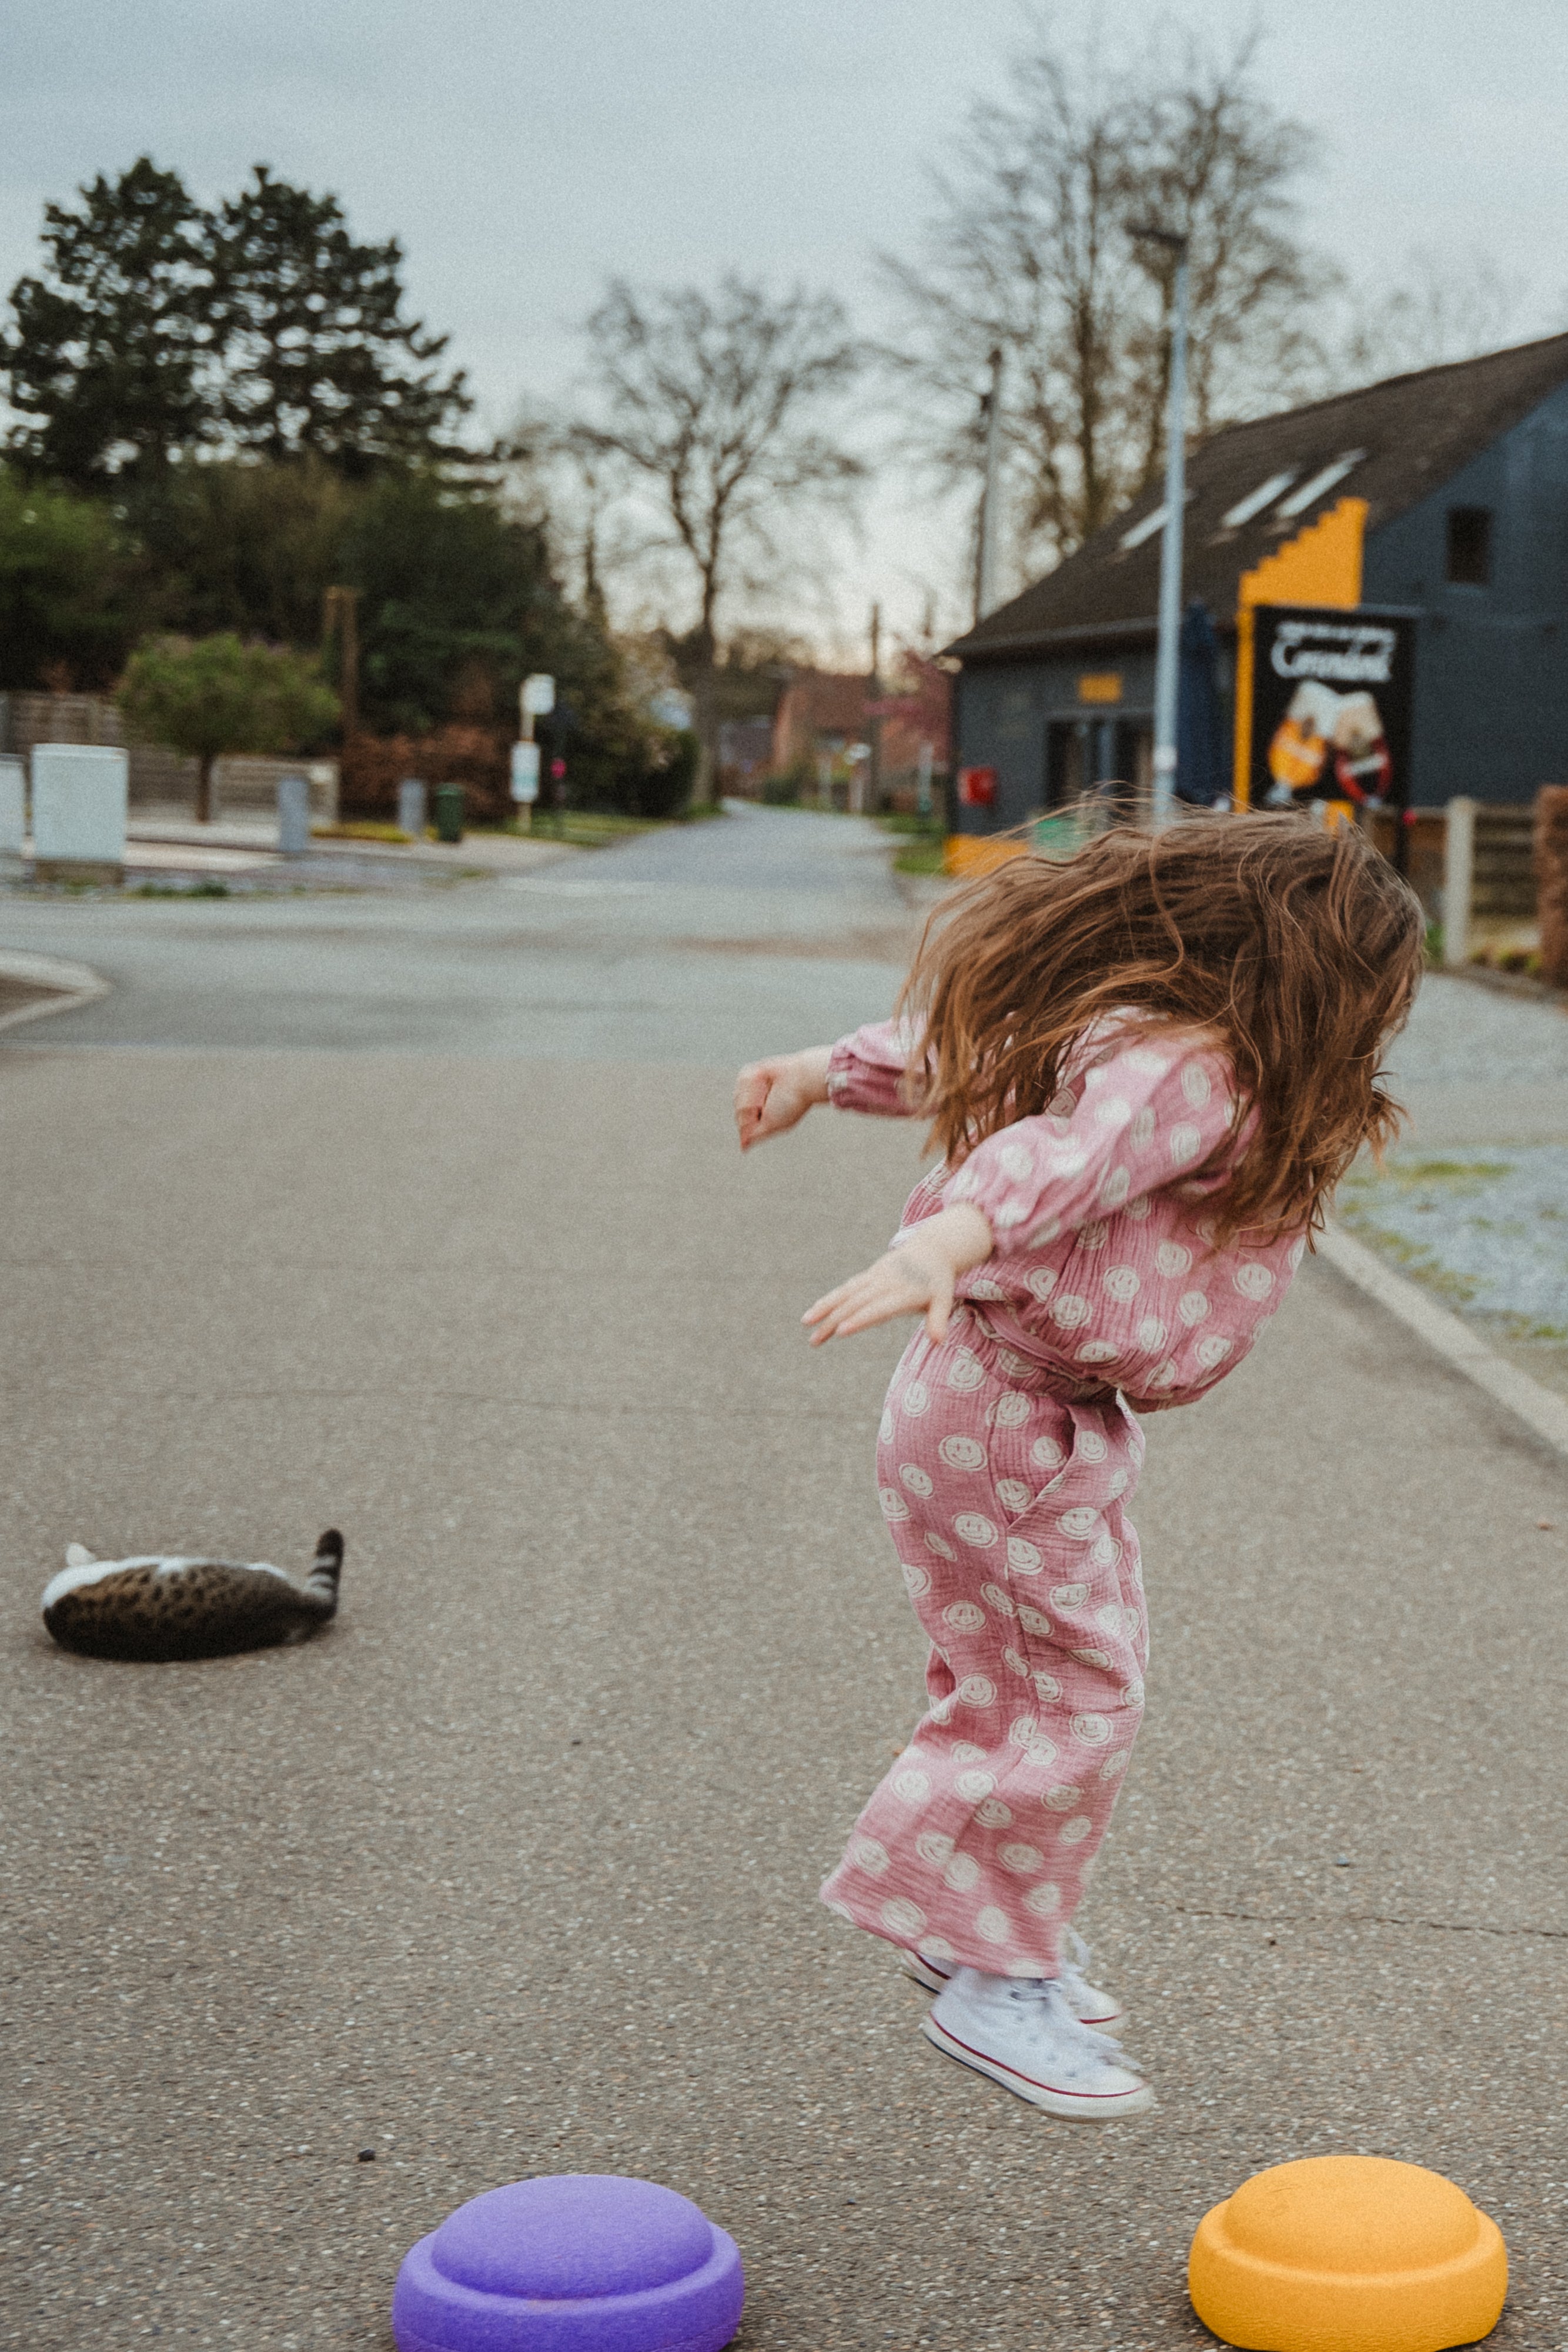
pixel 1299 951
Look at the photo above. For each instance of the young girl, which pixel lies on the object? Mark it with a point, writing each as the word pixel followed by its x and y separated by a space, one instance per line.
pixel 1146 1069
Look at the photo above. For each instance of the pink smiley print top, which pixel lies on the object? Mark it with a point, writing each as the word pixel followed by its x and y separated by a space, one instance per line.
pixel 1105 1273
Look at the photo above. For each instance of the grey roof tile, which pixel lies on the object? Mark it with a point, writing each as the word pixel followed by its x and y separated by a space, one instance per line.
pixel 1417 432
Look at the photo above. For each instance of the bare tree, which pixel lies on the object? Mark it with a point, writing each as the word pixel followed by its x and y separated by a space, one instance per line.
pixel 1027 249
pixel 716 413
pixel 561 482
pixel 1440 308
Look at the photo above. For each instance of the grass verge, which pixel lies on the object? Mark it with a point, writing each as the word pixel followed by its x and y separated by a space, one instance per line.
pixel 923 842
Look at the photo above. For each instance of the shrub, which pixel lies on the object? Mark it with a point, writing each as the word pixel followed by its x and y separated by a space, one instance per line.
pixel 662 789
pixel 206 695
pixel 479 759
pixel 474 757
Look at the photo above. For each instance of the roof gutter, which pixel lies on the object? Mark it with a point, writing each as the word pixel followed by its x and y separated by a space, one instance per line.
pixel 1037 641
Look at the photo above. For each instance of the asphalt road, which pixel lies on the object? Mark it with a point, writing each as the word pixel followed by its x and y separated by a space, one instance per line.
pixel 706 943
pixel 420 1215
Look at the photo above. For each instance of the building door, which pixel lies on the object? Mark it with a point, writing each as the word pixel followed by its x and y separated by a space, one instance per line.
pixel 1067 761
pixel 1095 756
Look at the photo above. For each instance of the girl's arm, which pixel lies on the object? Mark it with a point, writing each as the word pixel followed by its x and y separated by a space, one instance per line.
pixel 774 1095
pixel 1156 1113
pixel 862 1072
pixel 1139 1120
pixel 917 1277
pixel 869 1071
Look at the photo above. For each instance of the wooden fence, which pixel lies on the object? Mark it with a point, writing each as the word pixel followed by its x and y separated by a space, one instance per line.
pixel 1488 871
pixel 244 784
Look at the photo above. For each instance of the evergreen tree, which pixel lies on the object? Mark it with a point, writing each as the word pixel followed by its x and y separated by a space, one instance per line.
pixel 319 358
pixel 457 604
pixel 109 353
pixel 70 600
pixel 231 545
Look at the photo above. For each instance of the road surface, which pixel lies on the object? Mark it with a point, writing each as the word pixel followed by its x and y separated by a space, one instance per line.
pixel 420 1215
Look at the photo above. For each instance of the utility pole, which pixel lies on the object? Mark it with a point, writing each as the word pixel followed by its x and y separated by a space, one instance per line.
pixel 341 620
pixel 991 521
pixel 874 726
pixel 1167 658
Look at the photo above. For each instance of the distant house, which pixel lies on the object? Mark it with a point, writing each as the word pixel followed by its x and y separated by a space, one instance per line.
pixel 818 721
pixel 745 754
pixel 826 721
pixel 1444 493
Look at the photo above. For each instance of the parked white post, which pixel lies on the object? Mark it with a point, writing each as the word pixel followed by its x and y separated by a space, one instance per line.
pixel 13 817
pixel 922 780
pixel 293 815
pixel 80 794
pixel 412 817
pixel 1458 879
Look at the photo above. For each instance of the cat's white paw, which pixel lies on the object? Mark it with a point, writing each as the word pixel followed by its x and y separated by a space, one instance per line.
pixel 78 1556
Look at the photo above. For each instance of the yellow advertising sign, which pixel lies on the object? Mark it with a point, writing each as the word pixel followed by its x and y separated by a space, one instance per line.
pixel 1321 565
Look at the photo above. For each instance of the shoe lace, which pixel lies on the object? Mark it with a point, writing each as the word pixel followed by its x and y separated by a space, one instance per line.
pixel 1048 1992
pixel 1073 1967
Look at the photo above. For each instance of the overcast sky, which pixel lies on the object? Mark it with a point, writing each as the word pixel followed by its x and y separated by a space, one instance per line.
pixel 523 151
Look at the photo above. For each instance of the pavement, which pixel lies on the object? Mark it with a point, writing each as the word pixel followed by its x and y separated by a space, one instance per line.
pixel 166 851
pixel 170 839
pixel 1481 1065
pixel 418 1213
pixel 1472 1200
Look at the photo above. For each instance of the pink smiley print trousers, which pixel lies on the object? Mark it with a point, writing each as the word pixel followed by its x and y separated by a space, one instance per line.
pixel 1006 1502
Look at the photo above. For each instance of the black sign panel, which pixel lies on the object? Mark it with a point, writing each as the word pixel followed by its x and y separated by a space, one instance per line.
pixel 1332 694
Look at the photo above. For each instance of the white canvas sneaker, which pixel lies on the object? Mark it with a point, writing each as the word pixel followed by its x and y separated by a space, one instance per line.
pixel 1102 2010
pixel 1020 2032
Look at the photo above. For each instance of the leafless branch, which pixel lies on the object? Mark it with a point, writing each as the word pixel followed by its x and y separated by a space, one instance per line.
pixel 716 413
pixel 1027 248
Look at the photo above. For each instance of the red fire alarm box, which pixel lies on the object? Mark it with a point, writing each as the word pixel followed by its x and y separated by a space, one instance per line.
pixel 978 787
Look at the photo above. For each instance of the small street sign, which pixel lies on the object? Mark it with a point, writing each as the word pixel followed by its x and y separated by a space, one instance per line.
pixel 525 772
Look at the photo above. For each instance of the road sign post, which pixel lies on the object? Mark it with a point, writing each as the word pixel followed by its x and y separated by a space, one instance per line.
pixel 536 699
pixel 525 777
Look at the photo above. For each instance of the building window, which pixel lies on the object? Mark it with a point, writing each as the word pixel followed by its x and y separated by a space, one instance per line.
pixel 1470 546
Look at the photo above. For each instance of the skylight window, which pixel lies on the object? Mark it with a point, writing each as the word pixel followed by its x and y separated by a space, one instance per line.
pixel 1145 529
pixel 1313 489
pixel 1256 500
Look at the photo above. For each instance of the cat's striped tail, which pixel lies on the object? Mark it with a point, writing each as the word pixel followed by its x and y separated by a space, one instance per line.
pixel 326 1569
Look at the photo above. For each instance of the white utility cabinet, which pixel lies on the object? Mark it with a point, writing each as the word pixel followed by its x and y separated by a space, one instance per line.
pixel 13 813
pixel 79 800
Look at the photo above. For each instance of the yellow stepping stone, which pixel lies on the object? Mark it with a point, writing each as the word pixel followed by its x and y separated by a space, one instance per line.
pixel 1348 2253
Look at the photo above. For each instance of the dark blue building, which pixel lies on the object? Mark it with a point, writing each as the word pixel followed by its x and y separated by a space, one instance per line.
pixel 1464 474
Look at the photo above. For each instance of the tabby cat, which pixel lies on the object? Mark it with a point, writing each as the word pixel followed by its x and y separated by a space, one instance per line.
pixel 159 1608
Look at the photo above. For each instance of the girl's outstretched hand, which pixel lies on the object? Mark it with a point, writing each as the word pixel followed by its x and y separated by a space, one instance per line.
pixel 773 1096
pixel 916 1279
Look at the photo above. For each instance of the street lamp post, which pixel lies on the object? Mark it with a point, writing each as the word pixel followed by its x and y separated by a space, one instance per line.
pixel 1168 655
pixel 991 518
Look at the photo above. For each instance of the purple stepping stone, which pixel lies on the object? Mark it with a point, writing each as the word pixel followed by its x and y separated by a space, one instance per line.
pixel 579 2262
